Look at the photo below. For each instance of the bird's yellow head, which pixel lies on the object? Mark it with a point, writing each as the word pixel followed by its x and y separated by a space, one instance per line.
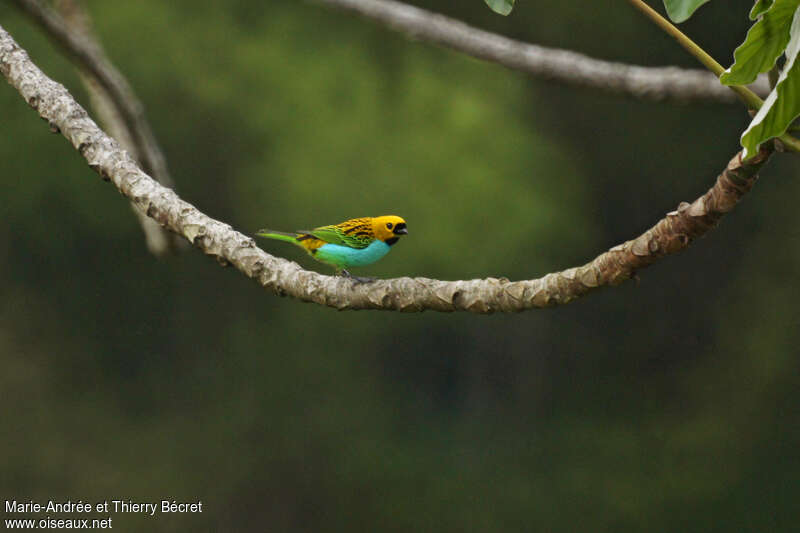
pixel 389 228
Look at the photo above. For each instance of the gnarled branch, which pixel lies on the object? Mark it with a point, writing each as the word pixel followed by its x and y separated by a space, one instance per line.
pixel 670 235
pixel 652 83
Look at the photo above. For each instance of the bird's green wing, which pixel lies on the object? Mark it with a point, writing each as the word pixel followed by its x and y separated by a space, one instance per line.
pixel 351 234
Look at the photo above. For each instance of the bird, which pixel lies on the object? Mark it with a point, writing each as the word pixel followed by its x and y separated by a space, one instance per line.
pixel 352 243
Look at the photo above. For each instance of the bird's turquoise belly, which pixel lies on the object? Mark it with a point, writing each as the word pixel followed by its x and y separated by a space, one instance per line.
pixel 344 256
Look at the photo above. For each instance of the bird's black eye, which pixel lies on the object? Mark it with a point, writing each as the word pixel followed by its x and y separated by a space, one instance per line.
pixel 389 225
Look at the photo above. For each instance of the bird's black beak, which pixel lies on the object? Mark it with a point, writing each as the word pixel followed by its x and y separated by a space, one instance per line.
pixel 400 229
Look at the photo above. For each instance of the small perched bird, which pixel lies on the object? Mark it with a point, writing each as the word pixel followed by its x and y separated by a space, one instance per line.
pixel 355 242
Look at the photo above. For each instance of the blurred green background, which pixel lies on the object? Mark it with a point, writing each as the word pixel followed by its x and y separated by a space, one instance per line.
pixel 664 405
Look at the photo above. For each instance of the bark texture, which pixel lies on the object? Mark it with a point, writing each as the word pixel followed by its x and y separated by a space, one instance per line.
pixel 652 83
pixel 671 234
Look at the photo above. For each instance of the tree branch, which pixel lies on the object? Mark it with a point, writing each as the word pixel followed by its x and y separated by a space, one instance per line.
pixel 652 83
pixel 670 235
pixel 112 97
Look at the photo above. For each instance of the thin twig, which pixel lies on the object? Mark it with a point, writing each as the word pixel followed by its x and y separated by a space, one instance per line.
pixel 671 234
pixel 117 104
pixel 91 57
pixel 77 20
pixel 654 83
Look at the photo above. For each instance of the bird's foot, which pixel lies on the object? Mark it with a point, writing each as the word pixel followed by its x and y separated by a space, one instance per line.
pixel 356 279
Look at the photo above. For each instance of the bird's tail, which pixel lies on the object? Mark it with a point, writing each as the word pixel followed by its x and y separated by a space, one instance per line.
pixel 279 235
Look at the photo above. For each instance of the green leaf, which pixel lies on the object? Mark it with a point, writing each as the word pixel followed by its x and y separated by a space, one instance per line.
pixel 763 45
pixel 759 8
pixel 782 105
pixel 680 10
pixel 503 7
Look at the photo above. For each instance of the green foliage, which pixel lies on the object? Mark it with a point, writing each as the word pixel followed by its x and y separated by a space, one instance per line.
pixel 502 7
pixel 782 106
pixel 759 8
pixel 775 33
pixel 681 10
pixel 765 42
